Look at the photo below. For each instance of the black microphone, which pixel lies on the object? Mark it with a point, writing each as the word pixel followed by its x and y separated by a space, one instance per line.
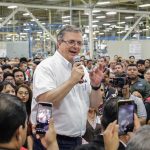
pixel 77 59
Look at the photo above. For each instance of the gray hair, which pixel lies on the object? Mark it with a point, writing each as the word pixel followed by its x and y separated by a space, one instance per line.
pixel 140 140
pixel 67 28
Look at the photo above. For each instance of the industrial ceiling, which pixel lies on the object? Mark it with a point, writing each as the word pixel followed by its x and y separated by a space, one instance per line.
pixel 109 18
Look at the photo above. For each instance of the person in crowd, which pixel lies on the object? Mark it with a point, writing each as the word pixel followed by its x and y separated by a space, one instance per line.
pixel 119 71
pixel 7 68
pixel 9 77
pixel 89 65
pixel 107 60
pixel 7 87
pixel 71 98
pixel 13 131
pixel 19 76
pixel 110 137
pixel 138 84
pixel 93 126
pixel 111 67
pixel 147 63
pixel 147 75
pixel 115 58
pixel 102 61
pixel 131 59
pixel 141 68
pixel 140 140
pixel 1 74
pixel 25 94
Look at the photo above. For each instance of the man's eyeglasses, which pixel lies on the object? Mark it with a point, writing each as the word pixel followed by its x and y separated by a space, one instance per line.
pixel 73 42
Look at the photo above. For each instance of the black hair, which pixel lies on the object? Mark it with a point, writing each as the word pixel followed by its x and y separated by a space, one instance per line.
pixel 3 85
pixel 6 66
pixel 109 112
pixel 12 115
pixel 140 61
pixel 6 74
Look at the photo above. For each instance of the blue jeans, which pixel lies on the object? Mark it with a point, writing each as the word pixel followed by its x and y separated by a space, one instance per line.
pixel 68 143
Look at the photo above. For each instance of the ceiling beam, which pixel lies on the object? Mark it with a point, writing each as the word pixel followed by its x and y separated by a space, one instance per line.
pixel 131 29
pixel 73 8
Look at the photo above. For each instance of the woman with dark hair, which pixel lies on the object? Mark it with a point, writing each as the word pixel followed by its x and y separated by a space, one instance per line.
pixel 25 94
pixel 7 87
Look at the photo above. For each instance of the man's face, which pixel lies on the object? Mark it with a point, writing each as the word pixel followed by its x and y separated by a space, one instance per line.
pixel 70 45
pixel 102 61
pixel 19 77
pixel 132 59
pixel 132 72
pixel 141 67
pixel 23 67
pixel 1 74
pixel 118 69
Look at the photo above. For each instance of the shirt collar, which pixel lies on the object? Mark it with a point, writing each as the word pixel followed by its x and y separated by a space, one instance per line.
pixel 62 59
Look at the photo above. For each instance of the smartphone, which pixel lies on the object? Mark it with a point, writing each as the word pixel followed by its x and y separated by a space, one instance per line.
pixel 125 116
pixel 44 113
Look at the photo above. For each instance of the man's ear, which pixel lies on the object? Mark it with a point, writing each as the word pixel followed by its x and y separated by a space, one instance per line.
pixel 18 133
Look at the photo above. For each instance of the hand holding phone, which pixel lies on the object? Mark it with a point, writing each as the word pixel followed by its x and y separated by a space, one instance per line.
pixel 44 113
pixel 125 116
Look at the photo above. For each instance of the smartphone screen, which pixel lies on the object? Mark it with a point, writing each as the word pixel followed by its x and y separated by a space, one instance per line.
pixel 44 113
pixel 125 116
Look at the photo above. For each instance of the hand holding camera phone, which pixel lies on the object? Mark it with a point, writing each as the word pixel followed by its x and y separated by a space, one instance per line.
pixel 125 116
pixel 44 113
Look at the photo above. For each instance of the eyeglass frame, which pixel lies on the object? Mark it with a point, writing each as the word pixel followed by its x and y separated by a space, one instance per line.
pixel 79 43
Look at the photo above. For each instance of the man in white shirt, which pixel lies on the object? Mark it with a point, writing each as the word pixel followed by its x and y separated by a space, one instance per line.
pixel 57 80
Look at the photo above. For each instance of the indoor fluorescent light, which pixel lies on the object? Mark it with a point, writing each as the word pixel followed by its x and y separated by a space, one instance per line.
pixel 64 17
pixel 111 13
pixel 12 7
pixel 121 22
pixel 129 17
pixel 26 14
pixel 100 17
pixel 103 3
pixel 144 5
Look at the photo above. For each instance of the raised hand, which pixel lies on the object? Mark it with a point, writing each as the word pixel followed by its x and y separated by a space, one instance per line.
pixel 96 75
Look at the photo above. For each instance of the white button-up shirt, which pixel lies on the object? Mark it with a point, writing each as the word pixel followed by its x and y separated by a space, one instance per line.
pixel 71 115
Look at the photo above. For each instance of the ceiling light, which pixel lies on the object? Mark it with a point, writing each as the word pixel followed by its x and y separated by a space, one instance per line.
pixel 96 11
pixel 66 20
pixel 119 32
pixel 26 14
pixel 145 29
pixel 95 21
pixel 103 3
pixel 26 29
pixel 121 22
pixel 148 37
pixel 95 25
pixel 1 18
pixel 144 5
pixel 106 24
pixel 111 13
pixel 129 17
pixel 12 7
pixel 100 17
pixel 101 33
pixel 64 17
pixel 118 27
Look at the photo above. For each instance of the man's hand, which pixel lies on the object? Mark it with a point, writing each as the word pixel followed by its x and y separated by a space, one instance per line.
pixel 96 75
pixel 77 72
pixel 111 138
pixel 49 139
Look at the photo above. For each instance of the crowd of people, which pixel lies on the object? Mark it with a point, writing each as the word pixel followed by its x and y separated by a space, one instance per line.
pixel 84 95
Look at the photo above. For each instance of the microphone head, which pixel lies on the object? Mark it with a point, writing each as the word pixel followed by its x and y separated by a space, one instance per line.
pixel 76 59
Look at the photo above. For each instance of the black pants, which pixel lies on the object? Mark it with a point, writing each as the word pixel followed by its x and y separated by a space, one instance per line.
pixel 68 143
